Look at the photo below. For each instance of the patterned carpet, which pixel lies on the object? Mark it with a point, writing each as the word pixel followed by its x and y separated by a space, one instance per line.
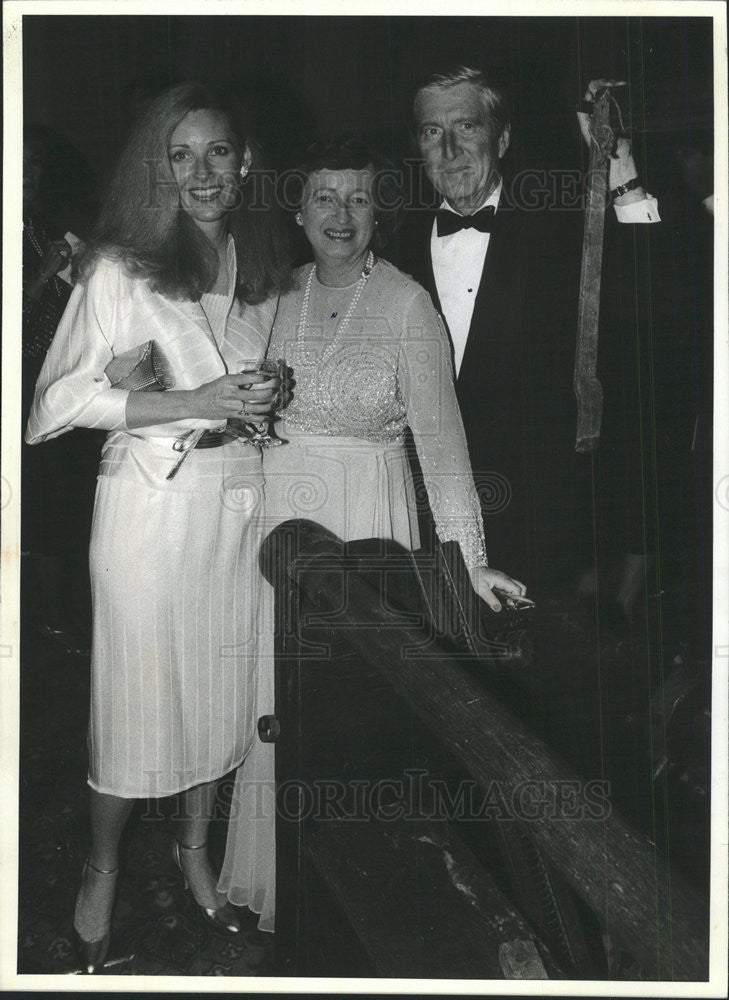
pixel 156 930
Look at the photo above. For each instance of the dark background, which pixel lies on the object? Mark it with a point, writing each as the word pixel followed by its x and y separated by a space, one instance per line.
pixel 84 79
pixel 301 76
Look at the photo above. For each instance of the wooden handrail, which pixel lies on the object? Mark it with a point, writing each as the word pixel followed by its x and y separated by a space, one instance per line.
pixel 651 910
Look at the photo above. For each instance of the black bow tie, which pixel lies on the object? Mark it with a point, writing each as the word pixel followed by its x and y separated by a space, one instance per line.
pixel 449 222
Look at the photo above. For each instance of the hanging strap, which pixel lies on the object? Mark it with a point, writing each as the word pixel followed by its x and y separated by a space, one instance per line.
pixel 587 387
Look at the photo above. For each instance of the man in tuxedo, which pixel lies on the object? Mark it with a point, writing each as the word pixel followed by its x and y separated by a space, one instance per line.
pixel 505 279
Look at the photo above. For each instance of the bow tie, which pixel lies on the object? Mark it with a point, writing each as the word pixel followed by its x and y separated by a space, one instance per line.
pixel 449 222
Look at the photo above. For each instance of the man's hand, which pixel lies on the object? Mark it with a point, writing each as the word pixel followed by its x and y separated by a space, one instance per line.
pixel 622 164
pixel 593 89
pixel 595 86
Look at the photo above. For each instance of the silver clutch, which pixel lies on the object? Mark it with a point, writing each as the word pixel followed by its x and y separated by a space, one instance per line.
pixel 141 369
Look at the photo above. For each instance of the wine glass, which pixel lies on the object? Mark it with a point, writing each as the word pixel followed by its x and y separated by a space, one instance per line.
pixel 259 431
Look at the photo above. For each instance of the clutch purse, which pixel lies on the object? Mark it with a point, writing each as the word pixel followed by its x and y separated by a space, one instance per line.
pixel 142 369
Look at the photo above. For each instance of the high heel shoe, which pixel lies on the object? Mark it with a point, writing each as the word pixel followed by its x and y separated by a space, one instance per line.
pixel 223 919
pixel 92 953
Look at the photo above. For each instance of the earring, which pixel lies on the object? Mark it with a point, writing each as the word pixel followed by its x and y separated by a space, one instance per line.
pixel 299 219
pixel 244 171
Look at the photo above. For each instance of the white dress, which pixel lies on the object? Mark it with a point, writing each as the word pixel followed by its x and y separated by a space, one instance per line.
pixel 345 466
pixel 175 581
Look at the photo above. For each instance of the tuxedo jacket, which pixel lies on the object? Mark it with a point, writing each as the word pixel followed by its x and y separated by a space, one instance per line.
pixel 514 386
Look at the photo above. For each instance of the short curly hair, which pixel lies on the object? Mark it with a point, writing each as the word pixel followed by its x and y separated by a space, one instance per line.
pixel 350 152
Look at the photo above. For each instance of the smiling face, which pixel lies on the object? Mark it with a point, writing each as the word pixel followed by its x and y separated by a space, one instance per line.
pixel 338 214
pixel 460 142
pixel 206 160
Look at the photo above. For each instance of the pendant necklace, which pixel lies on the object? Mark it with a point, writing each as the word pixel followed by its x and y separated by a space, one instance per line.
pixel 366 271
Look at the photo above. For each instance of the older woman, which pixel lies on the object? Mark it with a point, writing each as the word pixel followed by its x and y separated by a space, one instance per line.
pixel 371 358
pixel 178 260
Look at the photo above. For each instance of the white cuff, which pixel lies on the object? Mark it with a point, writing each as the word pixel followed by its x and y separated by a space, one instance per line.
pixel 638 211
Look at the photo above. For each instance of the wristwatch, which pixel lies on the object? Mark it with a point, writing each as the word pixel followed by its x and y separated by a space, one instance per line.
pixel 622 189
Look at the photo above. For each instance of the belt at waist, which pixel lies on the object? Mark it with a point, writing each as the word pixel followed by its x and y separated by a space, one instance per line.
pixel 234 430
pixel 215 439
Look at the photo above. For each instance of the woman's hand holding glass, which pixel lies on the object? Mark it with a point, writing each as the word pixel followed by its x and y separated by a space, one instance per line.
pixel 228 397
pixel 268 382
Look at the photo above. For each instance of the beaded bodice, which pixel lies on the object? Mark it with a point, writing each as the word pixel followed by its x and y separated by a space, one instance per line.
pixel 388 369
pixel 346 382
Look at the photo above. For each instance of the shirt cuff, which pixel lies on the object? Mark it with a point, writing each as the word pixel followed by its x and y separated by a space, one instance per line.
pixel 106 410
pixel 638 211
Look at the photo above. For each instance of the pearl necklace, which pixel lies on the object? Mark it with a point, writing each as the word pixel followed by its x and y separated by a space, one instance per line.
pixel 30 230
pixel 54 280
pixel 301 329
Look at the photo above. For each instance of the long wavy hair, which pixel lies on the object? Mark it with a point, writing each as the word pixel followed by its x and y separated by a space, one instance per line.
pixel 142 223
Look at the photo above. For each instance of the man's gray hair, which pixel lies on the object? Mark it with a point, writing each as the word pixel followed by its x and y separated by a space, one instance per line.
pixel 493 97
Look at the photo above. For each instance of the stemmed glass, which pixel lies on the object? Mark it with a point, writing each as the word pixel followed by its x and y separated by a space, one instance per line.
pixel 260 432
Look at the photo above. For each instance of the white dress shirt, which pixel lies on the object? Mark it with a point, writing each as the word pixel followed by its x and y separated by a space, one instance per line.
pixel 458 262
pixel 457 267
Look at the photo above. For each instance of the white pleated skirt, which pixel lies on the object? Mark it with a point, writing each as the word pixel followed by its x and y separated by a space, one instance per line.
pixel 357 489
pixel 176 622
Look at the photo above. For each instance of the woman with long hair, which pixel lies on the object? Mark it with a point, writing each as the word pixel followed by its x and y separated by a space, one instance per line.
pixel 177 287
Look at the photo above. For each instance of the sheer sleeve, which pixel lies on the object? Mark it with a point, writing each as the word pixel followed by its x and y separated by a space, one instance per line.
pixel 425 374
pixel 72 389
